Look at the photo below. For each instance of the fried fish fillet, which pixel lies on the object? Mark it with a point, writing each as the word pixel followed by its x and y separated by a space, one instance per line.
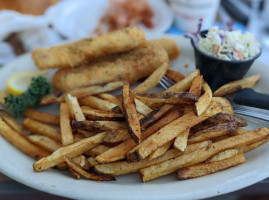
pixel 130 66
pixel 76 53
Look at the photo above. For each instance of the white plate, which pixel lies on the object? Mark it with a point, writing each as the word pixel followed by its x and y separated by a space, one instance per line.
pixel 18 166
pixel 77 19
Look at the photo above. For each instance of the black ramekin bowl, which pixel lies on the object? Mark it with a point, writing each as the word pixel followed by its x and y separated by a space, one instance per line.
pixel 218 72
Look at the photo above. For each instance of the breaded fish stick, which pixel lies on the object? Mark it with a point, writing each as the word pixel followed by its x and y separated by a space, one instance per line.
pixel 130 66
pixel 76 53
pixel 170 47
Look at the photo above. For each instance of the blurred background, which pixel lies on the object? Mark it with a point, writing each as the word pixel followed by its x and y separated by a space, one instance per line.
pixel 27 24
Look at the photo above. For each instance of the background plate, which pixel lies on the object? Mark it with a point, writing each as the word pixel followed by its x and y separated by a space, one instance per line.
pixel 18 166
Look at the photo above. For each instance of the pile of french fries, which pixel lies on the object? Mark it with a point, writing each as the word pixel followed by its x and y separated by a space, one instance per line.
pixel 185 129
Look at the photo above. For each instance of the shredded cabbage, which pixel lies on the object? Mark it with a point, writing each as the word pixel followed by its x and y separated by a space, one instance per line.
pixel 229 45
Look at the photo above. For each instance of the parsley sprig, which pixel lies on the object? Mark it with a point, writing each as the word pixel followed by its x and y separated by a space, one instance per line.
pixel 38 88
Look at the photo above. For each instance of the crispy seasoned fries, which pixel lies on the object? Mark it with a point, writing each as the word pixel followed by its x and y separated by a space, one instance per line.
pixel 185 83
pixel 174 75
pixel 181 141
pixel 169 132
pixel 227 107
pixel 235 86
pixel 223 155
pixel 77 53
pixel 98 125
pixel 124 167
pixel 81 171
pixel 142 108
pixel 71 150
pixel 209 168
pixel 155 115
pixel 46 118
pixel 116 136
pixel 65 128
pixel 45 142
pixel 196 86
pixel 118 152
pixel 112 99
pixel 161 150
pixel 74 108
pixel 204 101
pixel 202 155
pixel 97 103
pixel 42 129
pixel 153 79
pixel 132 120
pixel 21 142
pixel 101 115
pixel 11 121
pixel 184 98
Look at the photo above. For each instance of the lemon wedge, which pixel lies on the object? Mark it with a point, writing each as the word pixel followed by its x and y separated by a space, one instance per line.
pixel 19 82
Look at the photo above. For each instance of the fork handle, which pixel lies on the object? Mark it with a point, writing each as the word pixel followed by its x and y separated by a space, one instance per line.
pixel 249 97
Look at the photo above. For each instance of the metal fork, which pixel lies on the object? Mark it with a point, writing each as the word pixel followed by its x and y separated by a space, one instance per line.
pixel 256 113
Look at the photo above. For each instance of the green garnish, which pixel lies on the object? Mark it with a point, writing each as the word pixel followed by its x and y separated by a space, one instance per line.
pixel 38 88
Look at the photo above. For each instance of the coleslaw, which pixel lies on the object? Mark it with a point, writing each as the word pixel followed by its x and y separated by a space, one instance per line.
pixel 229 45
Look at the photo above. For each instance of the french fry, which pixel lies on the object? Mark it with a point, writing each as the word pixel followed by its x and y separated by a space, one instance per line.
pixel 76 53
pixel 92 161
pixel 101 115
pixel 184 84
pixel 65 128
pixel 227 107
pixel 93 90
pixel 204 101
pixel 85 133
pixel 181 140
pixel 118 152
pixel 71 150
pixel 124 167
pixel 128 104
pixel 74 108
pixel 235 86
pixel 202 155
pixel 82 161
pixel 51 98
pixel 209 168
pixel 42 129
pixel 21 142
pixel 225 117
pixel 98 125
pixel 252 146
pixel 155 115
pixel 46 118
pixel 153 79
pixel 95 151
pixel 169 132
pixel 223 155
pixel 184 98
pixel 45 142
pixel 112 99
pixel 91 176
pixel 116 136
pixel 174 75
pixel 142 108
pixel 161 150
pixel 11 121
pixel 3 95
pixel 213 132
pixel 196 86
pixel 97 103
